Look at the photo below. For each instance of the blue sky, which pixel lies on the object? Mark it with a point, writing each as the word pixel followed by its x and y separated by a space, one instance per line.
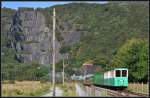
pixel 16 4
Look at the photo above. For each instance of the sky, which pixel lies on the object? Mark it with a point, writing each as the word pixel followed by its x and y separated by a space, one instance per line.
pixel 16 4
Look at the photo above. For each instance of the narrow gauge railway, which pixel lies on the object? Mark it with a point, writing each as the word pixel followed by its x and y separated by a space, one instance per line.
pixel 115 81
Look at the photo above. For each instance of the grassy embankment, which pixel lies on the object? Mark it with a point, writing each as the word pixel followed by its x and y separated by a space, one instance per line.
pixel 25 88
pixel 69 89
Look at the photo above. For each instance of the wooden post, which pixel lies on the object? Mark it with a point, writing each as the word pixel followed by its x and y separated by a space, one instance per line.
pixel 137 86
pixel 142 88
pixel 54 51
pixel 134 86
pixel 148 86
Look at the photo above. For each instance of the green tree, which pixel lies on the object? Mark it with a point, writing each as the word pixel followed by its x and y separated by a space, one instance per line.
pixel 134 56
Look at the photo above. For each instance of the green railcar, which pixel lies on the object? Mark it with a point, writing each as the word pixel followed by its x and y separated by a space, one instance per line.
pixel 117 77
pixel 98 78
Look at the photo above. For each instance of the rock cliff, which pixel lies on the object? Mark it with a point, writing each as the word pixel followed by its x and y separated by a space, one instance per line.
pixel 31 38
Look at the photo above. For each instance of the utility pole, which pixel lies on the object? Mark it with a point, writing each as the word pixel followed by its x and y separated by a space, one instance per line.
pixel 54 20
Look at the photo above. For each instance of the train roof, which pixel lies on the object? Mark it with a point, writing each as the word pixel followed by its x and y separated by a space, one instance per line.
pixel 120 69
pixel 117 69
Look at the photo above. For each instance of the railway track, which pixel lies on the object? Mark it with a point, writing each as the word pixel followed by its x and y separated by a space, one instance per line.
pixel 123 93
pixel 119 93
pixel 136 93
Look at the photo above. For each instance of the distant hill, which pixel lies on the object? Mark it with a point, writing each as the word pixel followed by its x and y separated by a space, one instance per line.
pixel 84 31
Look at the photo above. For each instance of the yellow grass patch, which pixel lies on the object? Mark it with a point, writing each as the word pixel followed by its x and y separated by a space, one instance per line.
pixel 68 89
pixel 25 88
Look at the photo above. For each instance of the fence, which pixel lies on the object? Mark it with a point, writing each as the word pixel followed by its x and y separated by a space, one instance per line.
pixel 139 87
pixel 136 88
pixel 25 80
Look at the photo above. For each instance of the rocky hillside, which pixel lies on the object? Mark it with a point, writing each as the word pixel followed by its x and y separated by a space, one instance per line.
pixel 84 32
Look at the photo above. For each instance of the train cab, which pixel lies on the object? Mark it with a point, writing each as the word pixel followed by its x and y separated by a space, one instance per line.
pixel 121 77
pixel 117 77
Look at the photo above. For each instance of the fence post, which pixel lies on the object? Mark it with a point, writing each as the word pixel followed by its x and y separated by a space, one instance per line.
pixel 147 87
pixel 142 87
pixel 134 86
pixel 137 87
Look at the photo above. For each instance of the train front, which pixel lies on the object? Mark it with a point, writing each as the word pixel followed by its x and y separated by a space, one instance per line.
pixel 117 78
pixel 121 79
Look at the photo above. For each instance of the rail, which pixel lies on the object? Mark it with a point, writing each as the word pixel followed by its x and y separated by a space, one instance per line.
pixel 117 93
pixel 137 93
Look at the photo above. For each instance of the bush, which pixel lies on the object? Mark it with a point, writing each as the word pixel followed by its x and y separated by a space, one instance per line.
pixel 11 81
pixel 31 94
pixel 17 92
pixel 43 81
pixel 20 80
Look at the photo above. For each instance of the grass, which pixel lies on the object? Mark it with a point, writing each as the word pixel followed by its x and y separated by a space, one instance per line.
pixel 68 89
pixel 138 88
pixel 25 88
pixel 82 86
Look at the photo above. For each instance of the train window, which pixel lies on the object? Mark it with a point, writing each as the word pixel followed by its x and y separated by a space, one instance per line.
pixel 118 74
pixel 124 73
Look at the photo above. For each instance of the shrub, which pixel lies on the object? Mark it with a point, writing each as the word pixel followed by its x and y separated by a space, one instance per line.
pixel 43 81
pixel 11 81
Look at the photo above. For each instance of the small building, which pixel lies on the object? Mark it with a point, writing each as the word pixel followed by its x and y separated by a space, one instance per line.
pixel 87 68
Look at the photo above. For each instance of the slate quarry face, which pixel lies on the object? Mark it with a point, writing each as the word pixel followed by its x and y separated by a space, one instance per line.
pixel 31 38
pixel 29 35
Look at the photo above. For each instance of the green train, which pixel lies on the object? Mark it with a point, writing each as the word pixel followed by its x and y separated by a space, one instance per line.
pixel 117 78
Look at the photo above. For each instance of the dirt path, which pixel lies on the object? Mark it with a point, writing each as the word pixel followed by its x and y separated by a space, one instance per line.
pixel 58 91
pixel 80 91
